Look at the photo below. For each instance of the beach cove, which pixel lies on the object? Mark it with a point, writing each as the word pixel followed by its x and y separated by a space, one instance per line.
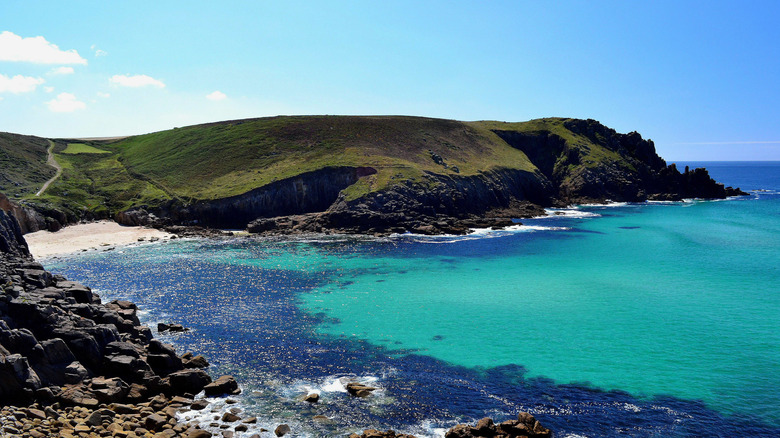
pixel 313 311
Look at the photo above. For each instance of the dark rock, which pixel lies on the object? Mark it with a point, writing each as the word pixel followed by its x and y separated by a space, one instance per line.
pixel 155 422
pixel 175 328
pixel 312 398
pixel 282 430
pixel 526 426
pixel 199 405
pixel 359 390
pixel 196 362
pixel 229 417
pixel 78 395
pixel 223 385
pixel 190 380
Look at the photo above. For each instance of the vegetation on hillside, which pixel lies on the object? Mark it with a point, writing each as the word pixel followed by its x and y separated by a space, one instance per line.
pixel 224 159
pixel 23 168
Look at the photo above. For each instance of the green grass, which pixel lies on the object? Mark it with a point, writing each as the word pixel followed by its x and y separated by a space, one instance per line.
pixel 223 159
pixel 592 153
pixel 81 148
pixel 23 168
pixel 229 158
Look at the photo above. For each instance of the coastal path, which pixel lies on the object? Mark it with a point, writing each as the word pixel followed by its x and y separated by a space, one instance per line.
pixel 53 163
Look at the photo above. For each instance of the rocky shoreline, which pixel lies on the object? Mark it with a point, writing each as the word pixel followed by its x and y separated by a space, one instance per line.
pixel 72 366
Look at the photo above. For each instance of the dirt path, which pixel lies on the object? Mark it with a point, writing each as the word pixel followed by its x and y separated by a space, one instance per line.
pixel 53 163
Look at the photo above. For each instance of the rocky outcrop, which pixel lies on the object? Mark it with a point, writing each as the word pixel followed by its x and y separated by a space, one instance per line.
pixel 304 193
pixel 11 240
pixel 526 426
pixel 441 204
pixel 60 344
pixel 31 219
pixel 627 168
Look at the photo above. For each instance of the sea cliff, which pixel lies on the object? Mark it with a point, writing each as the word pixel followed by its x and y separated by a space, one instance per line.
pixel 348 174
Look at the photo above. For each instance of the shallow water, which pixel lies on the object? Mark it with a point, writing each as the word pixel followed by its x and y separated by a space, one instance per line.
pixel 639 320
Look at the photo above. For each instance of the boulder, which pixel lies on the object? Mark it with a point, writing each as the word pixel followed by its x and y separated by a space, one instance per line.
pixel 229 417
pixel 223 385
pixel 187 381
pixel 174 328
pixel 526 426
pixel 78 395
pixel 282 430
pixel 196 362
pixel 359 390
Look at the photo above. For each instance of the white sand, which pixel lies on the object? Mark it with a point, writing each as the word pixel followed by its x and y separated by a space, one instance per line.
pixel 95 235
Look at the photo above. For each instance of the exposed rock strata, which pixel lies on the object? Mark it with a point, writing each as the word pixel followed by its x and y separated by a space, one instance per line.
pixel 634 172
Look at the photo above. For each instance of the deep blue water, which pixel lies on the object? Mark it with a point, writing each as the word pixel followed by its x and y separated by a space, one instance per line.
pixel 635 320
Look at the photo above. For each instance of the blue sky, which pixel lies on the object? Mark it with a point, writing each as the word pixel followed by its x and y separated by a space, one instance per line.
pixel 702 79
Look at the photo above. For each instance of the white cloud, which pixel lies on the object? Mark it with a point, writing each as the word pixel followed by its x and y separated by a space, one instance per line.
pixel 136 81
pixel 217 95
pixel 99 53
pixel 36 50
pixel 19 84
pixel 62 71
pixel 65 103
pixel 48 89
pixel 103 95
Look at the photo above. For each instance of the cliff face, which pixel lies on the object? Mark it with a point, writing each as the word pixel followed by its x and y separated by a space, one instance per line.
pixel 11 240
pixel 595 163
pixel 305 193
pixel 359 174
pixel 443 202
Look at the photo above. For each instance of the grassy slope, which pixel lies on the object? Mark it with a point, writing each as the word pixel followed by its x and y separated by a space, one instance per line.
pixel 23 168
pixel 229 158
pixel 592 154
pixel 224 159
pixel 81 148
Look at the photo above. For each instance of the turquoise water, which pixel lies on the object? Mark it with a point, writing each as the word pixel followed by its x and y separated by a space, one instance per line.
pixel 622 320
pixel 638 299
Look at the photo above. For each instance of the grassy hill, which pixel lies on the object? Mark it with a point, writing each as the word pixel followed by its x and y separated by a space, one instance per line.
pixel 229 158
pixel 218 160
pixel 410 158
pixel 23 168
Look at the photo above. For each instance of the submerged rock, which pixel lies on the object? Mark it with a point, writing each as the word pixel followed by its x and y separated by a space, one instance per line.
pixel 359 390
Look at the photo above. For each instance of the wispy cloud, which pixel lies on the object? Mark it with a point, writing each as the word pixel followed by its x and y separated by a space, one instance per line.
pixel 65 103
pixel 98 52
pixel 19 84
pixel 216 95
pixel 136 81
pixel 62 71
pixel 36 50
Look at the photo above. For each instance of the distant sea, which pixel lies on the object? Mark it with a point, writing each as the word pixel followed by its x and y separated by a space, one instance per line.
pixel 645 320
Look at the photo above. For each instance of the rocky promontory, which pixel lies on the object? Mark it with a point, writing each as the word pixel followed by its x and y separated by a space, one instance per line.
pixel 346 174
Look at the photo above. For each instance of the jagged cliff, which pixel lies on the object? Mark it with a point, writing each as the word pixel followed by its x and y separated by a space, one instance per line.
pixel 357 174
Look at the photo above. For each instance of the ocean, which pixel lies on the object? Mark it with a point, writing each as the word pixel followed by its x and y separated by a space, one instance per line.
pixel 646 320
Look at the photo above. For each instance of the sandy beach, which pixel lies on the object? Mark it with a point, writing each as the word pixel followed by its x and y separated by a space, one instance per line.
pixel 95 235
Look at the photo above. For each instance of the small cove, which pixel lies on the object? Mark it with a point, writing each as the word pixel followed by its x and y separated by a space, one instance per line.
pixel 639 319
